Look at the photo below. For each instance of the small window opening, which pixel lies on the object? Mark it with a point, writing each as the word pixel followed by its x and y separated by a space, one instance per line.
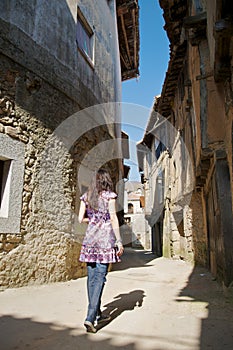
pixel 85 37
pixel 130 208
pixel 5 172
pixel 127 221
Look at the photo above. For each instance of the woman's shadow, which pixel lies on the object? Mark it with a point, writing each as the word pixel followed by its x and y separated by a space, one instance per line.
pixel 121 303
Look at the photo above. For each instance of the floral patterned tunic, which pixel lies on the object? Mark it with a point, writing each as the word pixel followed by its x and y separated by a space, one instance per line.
pixel 99 241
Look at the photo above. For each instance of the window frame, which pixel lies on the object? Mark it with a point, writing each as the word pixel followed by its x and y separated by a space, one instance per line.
pixel 89 32
pixel 5 182
pixel 13 152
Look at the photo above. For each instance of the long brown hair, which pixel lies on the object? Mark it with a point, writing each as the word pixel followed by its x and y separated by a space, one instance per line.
pixel 101 182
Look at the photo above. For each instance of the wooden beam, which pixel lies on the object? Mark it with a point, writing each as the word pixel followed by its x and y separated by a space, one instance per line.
pixel 125 63
pixel 124 8
pixel 130 74
pixel 125 36
pixel 195 21
pixel 135 39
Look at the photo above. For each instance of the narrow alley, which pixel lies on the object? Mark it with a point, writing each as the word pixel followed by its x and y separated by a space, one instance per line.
pixel 155 304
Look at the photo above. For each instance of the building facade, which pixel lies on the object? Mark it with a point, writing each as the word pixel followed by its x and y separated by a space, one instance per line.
pixel 136 231
pixel 195 220
pixel 57 60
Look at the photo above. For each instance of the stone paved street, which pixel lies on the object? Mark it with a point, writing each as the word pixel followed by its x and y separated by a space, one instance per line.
pixel 156 304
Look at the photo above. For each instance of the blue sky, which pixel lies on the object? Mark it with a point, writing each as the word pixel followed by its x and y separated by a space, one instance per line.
pixel 153 63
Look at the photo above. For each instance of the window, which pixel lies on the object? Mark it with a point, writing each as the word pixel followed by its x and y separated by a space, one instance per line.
pixel 160 186
pixel 12 162
pixel 85 37
pixel 159 149
pixel 127 221
pixel 1 178
pixel 5 178
pixel 130 208
pixel 111 5
pixel 198 6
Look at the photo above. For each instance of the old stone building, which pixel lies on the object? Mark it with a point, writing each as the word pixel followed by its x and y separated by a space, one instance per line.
pixel 57 59
pixel 192 123
pixel 136 231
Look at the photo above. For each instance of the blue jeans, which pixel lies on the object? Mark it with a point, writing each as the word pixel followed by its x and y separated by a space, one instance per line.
pixel 96 278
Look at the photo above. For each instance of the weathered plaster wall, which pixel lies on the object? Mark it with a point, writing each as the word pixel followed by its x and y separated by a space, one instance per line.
pixel 194 72
pixel 211 120
pixel 44 80
pixel 47 33
pixel 199 228
pixel 41 251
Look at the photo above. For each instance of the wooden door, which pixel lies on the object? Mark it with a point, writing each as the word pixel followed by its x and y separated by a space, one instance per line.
pixel 214 229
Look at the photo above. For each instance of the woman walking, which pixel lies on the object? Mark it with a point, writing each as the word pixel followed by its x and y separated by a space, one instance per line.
pixel 102 243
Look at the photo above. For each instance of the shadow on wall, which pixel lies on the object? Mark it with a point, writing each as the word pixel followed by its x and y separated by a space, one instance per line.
pixel 217 328
pixel 129 238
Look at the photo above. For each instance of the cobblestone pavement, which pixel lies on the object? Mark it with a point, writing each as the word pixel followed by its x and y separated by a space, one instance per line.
pixel 155 304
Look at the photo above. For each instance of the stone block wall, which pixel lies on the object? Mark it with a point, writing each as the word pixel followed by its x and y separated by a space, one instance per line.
pixel 47 246
pixel 41 250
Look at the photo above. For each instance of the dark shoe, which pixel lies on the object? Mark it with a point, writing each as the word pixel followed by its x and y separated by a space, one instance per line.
pixel 90 327
pixel 103 318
